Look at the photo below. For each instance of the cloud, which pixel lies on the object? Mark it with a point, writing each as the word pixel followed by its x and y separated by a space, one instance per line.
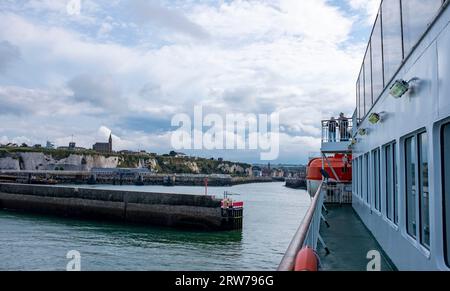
pixel 244 21
pixel 20 101
pixel 9 53
pixel 101 91
pixel 131 72
pixel 47 5
pixel 17 140
pixel 368 7
pixel 151 12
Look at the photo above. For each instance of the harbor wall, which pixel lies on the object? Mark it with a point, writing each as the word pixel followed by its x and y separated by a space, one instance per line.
pixel 296 183
pixel 161 209
pixel 85 177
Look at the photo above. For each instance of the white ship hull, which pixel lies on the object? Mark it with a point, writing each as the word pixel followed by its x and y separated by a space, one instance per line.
pixel 409 242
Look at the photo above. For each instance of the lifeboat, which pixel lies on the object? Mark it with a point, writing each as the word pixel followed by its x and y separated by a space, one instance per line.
pixel 341 164
pixel 307 261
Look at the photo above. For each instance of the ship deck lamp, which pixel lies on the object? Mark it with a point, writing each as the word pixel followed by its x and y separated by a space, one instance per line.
pixel 353 143
pixel 374 118
pixel 362 131
pixel 399 88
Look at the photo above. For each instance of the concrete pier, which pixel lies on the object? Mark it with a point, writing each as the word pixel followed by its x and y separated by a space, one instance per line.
pixel 159 209
pixel 113 178
pixel 296 183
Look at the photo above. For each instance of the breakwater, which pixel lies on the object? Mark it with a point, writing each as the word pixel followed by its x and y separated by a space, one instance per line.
pixel 160 209
pixel 132 177
pixel 296 183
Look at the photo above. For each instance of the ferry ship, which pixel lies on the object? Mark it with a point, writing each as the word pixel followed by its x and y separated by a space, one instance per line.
pixel 397 201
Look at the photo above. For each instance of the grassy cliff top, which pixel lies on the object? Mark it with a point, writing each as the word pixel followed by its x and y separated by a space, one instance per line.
pixel 164 163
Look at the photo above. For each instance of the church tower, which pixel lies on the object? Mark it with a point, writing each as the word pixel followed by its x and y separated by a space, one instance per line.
pixel 110 143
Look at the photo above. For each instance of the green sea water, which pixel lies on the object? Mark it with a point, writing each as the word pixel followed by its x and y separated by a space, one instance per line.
pixel 271 216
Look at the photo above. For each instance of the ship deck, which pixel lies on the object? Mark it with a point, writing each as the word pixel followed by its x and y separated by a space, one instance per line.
pixel 349 241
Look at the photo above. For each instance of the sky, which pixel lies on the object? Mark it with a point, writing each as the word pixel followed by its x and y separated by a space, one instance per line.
pixel 126 67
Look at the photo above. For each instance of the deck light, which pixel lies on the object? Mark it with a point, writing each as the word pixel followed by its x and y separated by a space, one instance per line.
pixel 374 118
pixel 362 131
pixel 399 88
pixel 353 143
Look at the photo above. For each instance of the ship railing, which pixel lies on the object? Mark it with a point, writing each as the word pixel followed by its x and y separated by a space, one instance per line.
pixel 338 193
pixel 307 234
pixel 338 130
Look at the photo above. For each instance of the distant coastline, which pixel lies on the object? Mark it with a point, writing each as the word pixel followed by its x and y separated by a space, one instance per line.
pixel 43 159
pixel 80 166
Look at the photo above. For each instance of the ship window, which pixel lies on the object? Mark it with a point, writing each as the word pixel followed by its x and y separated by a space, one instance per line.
pixel 389 171
pixel 355 177
pixel 411 185
pixel 417 188
pixel 391 186
pixel 363 173
pixel 417 15
pixel 395 193
pixel 446 188
pixel 367 81
pixel 357 100
pixel 366 178
pixel 377 60
pixel 376 179
pixel 361 94
pixel 424 201
pixel 392 38
pixel 361 179
pixel 360 168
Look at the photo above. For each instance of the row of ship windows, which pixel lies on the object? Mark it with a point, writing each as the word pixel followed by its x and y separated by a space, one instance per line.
pixel 371 167
pixel 398 27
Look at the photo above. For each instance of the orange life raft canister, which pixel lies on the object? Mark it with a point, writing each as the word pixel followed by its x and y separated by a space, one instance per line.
pixel 307 260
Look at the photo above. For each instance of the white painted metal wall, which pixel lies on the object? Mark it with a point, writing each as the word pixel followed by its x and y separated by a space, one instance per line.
pixel 427 106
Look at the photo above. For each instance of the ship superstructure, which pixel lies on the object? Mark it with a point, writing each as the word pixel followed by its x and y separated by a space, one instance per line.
pixel 399 145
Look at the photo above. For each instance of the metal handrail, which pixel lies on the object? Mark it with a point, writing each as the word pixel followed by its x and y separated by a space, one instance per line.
pixel 337 130
pixel 297 243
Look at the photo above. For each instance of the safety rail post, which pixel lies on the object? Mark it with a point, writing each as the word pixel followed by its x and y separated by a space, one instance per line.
pixel 307 233
pixel 334 132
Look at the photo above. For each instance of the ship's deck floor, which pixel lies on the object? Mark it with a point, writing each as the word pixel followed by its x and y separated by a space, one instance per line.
pixel 349 242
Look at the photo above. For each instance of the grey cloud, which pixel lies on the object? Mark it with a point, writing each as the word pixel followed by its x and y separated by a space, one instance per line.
pixel 15 102
pixel 152 13
pixel 8 108
pixel 250 99
pixel 100 91
pixel 8 54
pixel 150 90
pixel 144 123
pixel 20 101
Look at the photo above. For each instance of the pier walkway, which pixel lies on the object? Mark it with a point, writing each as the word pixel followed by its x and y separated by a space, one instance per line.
pixel 349 241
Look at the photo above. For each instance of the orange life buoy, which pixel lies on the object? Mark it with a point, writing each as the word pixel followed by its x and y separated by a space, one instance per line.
pixel 307 260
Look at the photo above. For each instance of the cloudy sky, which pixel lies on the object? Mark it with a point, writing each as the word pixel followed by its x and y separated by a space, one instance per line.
pixel 128 66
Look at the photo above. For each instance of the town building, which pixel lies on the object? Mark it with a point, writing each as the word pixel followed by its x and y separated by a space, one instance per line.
pixel 50 145
pixel 103 147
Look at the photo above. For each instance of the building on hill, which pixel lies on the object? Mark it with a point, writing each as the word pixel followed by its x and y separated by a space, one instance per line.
pixel 72 147
pixel 256 171
pixel 103 147
pixel 50 145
